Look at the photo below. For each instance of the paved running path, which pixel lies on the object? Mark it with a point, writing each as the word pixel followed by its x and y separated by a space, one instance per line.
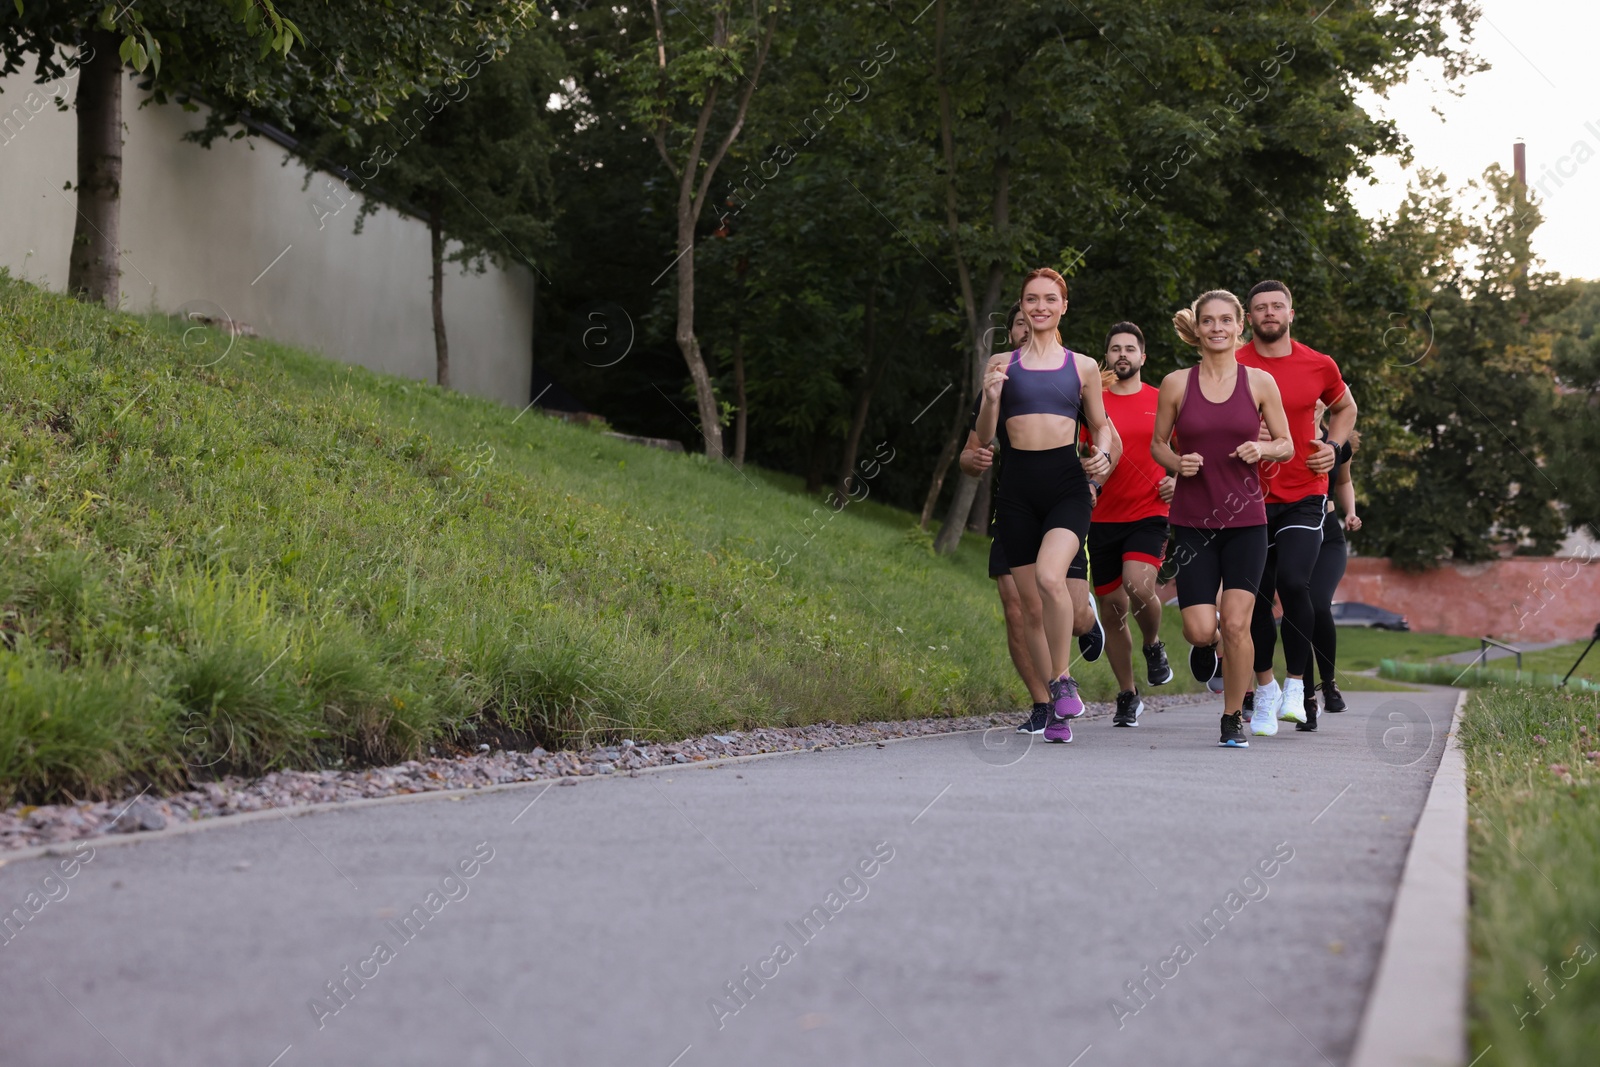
pixel 1021 895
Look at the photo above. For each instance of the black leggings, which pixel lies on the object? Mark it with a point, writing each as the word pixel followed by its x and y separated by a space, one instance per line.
pixel 1325 578
pixel 1295 532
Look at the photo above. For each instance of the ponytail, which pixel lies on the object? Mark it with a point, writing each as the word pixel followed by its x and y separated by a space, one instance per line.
pixel 1187 320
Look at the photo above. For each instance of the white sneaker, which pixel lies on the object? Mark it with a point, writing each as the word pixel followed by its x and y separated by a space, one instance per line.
pixel 1269 699
pixel 1293 708
pixel 1262 722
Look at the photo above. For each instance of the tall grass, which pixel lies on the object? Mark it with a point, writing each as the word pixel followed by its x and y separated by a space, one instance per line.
pixel 276 560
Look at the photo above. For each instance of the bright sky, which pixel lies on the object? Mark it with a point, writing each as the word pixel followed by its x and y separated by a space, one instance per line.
pixel 1544 86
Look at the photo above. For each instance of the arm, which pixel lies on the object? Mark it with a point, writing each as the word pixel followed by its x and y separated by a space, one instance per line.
pixel 994 379
pixel 1103 436
pixel 1344 493
pixel 1161 451
pixel 976 457
pixel 1270 403
pixel 1341 420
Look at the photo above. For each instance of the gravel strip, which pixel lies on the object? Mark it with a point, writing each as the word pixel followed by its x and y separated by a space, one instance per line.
pixel 24 826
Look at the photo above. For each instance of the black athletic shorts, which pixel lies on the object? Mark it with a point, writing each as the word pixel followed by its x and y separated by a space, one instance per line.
pixel 1112 542
pixel 1045 490
pixel 1303 514
pixel 999 566
pixel 1232 559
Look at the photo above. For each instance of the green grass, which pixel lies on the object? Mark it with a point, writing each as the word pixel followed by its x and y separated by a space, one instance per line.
pixel 277 560
pixel 1559 660
pixel 1362 648
pixel 1534 819
pixel 1459 674
pixel 230 556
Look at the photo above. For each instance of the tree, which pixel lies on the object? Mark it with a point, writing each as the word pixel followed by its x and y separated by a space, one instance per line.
pixel 362 57
pixel 675 81
pixel 1478 407
pixel 1575 429
pixel 472 159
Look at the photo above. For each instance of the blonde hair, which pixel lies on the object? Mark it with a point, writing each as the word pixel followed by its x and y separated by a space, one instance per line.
pixel 1186 321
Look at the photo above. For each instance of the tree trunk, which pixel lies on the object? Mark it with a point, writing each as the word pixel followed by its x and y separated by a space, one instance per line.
pixel 876 366
pixel 982 504
pixel 819 459
pixel 741 415
pixel 977 315
pixel 93 270
pixel 705 394
pixel 441 345
pixel 947 455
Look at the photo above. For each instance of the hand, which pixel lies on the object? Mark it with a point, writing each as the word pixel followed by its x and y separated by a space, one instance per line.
pixel 1189 464
pixel 1097 465
pixel 1166 487
pixel 1352 522
pixel 994 379
pixel 1322 458
pixel 974 461
pixel 1250 452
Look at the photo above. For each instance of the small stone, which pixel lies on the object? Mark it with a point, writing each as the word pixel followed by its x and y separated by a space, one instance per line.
pixel 483 748
pixel 568 781
pixel 140 815
pixel 604 768
pixel 726 739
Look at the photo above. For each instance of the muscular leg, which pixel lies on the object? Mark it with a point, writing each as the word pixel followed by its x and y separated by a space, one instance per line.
pixel 1238 605
pixel 1027 586
pixel 1324 582
pixel 1055 556
pixel 1119 642
pixel 1263 628
pixel 1017 639
pixel 1297 558
pixel 1200 624
pixel 1082 612
pixel 1139 579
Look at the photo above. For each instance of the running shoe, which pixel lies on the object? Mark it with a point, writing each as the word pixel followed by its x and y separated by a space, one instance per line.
pixel 1233 732
pixel 1270 696
pixel 1332 699
pixel 1093 643
pixel 1064 699
pixel 1159 671
pixel 1203 662
pixel 1292 709
pixel 1262 724
pixel 1034 724
pixel 1129 708
pixel 1311 714
pixel 1216 684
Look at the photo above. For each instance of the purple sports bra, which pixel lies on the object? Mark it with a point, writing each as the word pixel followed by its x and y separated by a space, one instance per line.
pixel 1041 392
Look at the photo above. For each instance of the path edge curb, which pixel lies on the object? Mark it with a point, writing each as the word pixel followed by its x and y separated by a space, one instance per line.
pixel 1416 1012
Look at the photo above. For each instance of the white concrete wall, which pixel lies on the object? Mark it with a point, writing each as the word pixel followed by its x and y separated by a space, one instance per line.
pixel 200 225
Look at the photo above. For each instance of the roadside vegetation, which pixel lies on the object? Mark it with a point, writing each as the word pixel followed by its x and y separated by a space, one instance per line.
pixel 1533 820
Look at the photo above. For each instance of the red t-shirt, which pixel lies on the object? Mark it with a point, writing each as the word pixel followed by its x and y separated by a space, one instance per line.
pixel 1304 376
pixel 1130 493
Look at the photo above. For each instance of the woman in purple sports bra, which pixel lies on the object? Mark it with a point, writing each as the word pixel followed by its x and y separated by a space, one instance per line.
pixel 1208 420
pixel 1042 391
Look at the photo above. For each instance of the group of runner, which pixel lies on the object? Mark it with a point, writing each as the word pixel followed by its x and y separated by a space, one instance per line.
pixel 1243 459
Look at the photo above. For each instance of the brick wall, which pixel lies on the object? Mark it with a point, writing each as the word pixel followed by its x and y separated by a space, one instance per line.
pixel 1525 598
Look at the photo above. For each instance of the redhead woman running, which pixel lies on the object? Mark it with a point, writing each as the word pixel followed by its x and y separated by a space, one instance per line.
pixel 1041 392
pixel 1218 512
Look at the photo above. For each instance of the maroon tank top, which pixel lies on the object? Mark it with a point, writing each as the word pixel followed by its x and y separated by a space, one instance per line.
pixel 1227 491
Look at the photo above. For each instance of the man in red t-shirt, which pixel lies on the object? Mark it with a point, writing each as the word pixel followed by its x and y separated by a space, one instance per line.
pixel 1128 530
pixel 1297 491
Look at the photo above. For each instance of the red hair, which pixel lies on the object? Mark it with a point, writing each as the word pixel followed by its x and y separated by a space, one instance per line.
pixel 1045 272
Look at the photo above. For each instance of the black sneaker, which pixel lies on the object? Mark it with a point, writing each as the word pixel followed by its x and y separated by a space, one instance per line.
pixel 1159 670
pixel 1310 725
pixel 1332 699
pixel 1203 662
pixel 1129 708
pixel 1035 722
pixel 1233 732
pixel 1091 644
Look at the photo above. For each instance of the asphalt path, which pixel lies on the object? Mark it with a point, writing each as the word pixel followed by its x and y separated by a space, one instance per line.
pixel 1137 897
